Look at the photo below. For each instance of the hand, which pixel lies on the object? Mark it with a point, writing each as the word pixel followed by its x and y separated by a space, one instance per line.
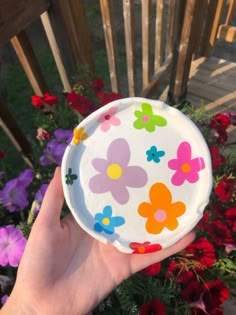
pixel 66 271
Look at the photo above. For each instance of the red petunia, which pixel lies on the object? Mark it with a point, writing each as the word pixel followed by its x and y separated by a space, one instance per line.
pixel 179 272
pixel 224 190
pixel 206 298
pixel 152 270
pixel 220 233
pixel 230 216
pixel 217 158
pixel 202 251
pixel 39 101
pixel 106 98
pixel 97 84
pixel 153 307
pixel 220 121
pixel 2 154
pixel 80 103
pixel 202 224
pixel 144 248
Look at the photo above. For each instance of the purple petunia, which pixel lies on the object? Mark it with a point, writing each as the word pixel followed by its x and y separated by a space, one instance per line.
pixel 4 299
pixel 12 245
pixel 55 148
pixel 14 195
pixel 115 175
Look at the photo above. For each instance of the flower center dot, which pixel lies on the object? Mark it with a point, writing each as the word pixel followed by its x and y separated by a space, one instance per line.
pixel 107 117
pixel 160 215
pixel 145 118
pixel 114 171
pixel 141 249
pixel 185 168
pixel 105 221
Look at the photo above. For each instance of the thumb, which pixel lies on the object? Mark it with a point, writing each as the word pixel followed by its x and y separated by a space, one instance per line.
pixel 53 200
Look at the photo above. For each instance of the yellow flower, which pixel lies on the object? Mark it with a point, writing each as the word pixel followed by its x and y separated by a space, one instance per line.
pixel 161 212
pixel 79 135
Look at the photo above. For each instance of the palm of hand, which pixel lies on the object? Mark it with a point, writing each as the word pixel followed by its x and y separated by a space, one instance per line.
pixel 67 270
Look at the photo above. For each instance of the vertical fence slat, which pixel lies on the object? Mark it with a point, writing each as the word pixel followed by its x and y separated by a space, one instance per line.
pixel 55 51
pixel 110 40
pixel 128 11
pixel 74 18
pixel 159 34
pixel 29 62
pixel 232 6
pixel 12 130
pixel 212 21
pixel 170 30
pixel 146 6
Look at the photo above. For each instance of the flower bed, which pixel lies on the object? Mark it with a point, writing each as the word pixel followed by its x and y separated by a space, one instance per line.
pixel 195 281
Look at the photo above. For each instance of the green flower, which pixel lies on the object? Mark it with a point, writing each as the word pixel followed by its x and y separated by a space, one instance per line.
pixel 146 119
pixel 70 177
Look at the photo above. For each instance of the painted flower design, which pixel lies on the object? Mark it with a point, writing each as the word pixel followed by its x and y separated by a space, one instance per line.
pixel 186 168
pixel 70 177
pixel 106 223
pixel 147 120
pixel 79 135
pixel 144 248
pixel 108 118
pixel 154 155
pixel 115 175
pixel 161 212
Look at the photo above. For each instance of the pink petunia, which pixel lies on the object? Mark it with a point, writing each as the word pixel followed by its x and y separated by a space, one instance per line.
pixel 107 119
pixel 186 168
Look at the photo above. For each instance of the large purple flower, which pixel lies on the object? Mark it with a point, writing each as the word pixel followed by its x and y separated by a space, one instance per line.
pixel 39 197
pixel 55 148
pixel 12 245
pixel 115 174
pixel 14 195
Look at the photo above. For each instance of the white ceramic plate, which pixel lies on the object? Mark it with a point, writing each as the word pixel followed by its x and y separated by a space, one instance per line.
pixel 137 174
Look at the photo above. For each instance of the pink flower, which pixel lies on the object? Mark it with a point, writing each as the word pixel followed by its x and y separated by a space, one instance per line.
pixel 107 119
pixel 185 167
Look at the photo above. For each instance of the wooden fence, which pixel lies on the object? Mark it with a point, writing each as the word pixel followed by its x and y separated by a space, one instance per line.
pixel 172 32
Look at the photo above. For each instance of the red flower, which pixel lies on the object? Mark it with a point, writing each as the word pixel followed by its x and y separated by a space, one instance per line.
pixel 152 270
pixel 97 84
pixel 217 158
pixel 224 190
pixel 220 121
pixel 207 298
pixel 80 103
pixel 178 271
pixel 230 215
pixel 38 101
pixel 202 251
pixel 153 307
pixel 202 224
pixel 106 98
pixel 220 233
pixel 144 248
pixel 2 154
pixel 218 209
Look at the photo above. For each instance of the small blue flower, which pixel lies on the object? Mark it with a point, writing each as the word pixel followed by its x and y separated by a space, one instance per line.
pixel 154 155
pixel 106 222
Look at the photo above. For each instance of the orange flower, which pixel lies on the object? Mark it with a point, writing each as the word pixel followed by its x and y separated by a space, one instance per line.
pixel 161 212
pixel 79 135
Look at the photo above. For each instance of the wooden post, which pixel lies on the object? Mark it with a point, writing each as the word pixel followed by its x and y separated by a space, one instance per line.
pixel 159 38
pixel 12 130
pixel 55 51
pixel 74 18
pixel 183 59
pixel 29 62
pixel 128 12
pixel 111 45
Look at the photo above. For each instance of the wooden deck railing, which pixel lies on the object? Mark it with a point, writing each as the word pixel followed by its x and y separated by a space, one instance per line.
pixel 170 31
